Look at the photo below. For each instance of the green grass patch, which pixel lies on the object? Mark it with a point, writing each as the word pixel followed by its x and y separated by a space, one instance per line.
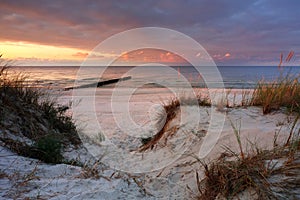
pixel 30 113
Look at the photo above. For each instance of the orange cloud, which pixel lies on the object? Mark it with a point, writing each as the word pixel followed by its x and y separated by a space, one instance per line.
pixel 125 57
pixel 151 56
pixel 80 55
pixel 221 57
pixel 227 55
pixel 141 52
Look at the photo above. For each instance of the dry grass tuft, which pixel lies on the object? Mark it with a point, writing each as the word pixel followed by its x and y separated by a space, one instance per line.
pixel 90 171
pixel 228 178
pixel 93 170
pixel 171 107
pixel 233 173
pixel 231 178
pixel 283 92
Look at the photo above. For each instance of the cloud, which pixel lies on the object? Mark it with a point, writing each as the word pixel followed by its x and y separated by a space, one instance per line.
pixel 198 54
pixel 94 55
pixel 242 28
pixel 150 56
pixel 80 54
pixel 91 55
pixel 227 55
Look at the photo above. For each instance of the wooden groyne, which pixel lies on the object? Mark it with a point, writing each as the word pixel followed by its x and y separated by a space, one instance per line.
pixel 100 83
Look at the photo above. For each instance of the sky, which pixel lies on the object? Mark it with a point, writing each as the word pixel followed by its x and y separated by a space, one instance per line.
pixel 55 32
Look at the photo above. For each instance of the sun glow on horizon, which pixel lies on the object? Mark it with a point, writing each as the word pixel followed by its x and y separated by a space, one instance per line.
pixel 32 52
pixel 24 53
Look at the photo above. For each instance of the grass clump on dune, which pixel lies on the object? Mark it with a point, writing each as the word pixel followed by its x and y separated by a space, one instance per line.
pixel 171 108
pixel 283 92
pixel 31 123
pixel 256 174
pixel 259 174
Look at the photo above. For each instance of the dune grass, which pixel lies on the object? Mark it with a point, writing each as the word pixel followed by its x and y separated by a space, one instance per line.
pixel 264 174
pixel 31 123
pixel 231 175
pixel 283 92
pixel 171 108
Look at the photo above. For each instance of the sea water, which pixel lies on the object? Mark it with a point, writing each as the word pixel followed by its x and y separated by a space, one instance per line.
pixel 153 76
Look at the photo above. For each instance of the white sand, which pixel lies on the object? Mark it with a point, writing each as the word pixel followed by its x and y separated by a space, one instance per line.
pixel 168 171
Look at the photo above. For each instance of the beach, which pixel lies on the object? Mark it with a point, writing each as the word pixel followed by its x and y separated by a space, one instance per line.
pixel 113 120
pixel 170 180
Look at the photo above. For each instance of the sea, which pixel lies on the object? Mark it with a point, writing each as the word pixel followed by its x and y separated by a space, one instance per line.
pixel 235 77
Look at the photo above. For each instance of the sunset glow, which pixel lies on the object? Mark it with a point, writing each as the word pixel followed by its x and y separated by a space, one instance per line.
pixel 21 50
pixel 233 33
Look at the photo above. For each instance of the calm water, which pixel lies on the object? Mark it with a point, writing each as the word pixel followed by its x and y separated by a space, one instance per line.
pixel 233 76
